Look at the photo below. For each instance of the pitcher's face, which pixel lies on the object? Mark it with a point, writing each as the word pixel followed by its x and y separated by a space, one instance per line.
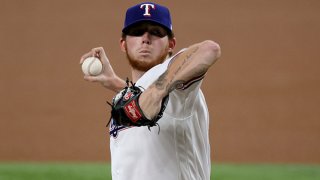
pixel 146 45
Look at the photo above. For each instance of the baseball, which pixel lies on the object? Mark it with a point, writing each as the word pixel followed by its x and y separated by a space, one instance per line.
pixel 92 66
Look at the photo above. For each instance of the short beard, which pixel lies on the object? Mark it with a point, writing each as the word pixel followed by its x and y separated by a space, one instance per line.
pixel 145 66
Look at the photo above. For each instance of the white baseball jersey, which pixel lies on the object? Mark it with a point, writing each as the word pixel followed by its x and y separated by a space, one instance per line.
pixel 180 151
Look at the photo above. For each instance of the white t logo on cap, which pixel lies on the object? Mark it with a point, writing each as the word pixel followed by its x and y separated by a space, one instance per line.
pixel 147 9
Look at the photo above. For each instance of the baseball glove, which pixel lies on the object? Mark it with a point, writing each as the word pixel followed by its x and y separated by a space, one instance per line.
pixel 126 110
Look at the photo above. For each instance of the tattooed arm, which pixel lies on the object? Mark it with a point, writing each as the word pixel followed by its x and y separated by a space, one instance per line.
pixel 193 62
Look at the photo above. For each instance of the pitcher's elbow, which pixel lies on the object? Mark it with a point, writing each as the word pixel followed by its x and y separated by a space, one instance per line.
pixel 212 50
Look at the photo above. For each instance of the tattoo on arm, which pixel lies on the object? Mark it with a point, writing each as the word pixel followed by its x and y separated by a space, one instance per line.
pixel 161 81
pixel 176 84
pixel 169 85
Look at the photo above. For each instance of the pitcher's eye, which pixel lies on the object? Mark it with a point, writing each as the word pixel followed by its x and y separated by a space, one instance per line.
pixel 158 32
pixel 136 32
pixel 154 31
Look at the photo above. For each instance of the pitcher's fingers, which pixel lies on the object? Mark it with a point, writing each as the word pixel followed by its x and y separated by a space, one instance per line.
pixel 98 52
pixel 89 54
pixel 90 78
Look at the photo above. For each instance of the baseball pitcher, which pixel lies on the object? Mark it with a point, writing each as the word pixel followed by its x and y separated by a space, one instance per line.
pixel 159 125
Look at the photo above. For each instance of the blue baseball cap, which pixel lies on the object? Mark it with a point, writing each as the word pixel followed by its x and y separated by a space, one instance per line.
pixel 148 11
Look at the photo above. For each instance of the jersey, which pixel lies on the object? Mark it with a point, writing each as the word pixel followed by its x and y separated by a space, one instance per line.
pixel 179 151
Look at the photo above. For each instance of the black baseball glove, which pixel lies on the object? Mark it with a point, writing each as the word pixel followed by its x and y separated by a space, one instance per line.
pixel 126 110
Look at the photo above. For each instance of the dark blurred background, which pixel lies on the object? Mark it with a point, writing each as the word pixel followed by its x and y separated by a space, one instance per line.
pixel 263 94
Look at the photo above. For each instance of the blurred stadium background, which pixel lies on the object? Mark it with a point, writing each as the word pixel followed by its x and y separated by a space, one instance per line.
pixel 263 94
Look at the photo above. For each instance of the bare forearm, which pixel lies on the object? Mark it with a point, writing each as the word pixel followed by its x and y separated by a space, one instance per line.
pixel 115 83
pixel 193 62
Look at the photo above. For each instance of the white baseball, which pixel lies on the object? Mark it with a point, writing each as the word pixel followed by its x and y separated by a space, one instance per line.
pixel 92 66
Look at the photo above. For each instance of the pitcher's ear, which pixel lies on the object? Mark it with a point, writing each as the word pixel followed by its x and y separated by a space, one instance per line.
pixel 123 46
pixel 172 43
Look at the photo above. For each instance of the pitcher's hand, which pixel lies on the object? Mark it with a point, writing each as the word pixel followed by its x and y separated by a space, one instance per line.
pixel 107 78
